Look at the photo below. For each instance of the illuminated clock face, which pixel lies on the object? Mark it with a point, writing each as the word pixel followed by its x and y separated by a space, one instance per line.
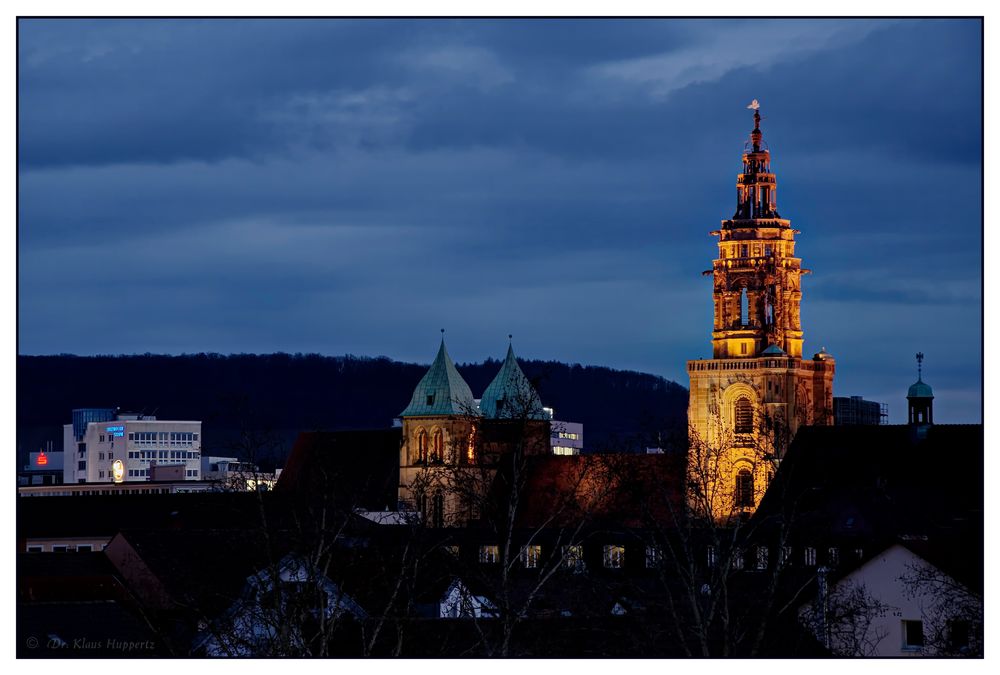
pixel 118 471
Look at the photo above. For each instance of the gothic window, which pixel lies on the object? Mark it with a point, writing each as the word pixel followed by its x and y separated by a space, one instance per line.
pixel 438 509
pixel 743 416
pixel 744 488
pixel 743 251
pixel 422 446
pixel 744 307
pixel 438 453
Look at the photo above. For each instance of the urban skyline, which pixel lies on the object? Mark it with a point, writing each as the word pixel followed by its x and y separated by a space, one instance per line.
pixel 352 186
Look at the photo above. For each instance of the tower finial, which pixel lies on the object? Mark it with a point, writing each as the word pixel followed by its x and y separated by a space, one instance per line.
pixel 755 135
pixel 509 336
pixel 920 362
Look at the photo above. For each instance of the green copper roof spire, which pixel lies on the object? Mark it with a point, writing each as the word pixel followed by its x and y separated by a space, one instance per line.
pixel 441 391
pixel 510 394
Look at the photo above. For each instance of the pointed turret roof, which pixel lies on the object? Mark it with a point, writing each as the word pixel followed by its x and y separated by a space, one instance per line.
pixel 441 391
pixel 510 394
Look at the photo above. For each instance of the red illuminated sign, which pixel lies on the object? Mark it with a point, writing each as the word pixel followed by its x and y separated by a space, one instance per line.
pixel 42 459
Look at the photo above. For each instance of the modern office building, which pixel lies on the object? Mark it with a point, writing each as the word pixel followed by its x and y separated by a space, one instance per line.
pixel 567 438
pixel 113 448
pixel 856 410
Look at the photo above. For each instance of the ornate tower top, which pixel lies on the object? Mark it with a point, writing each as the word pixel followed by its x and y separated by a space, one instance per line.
pixel 756 288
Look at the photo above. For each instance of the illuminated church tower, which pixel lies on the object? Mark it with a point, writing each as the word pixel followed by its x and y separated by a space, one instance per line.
pixel 748 401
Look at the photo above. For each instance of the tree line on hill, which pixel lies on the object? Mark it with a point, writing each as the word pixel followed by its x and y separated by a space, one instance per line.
pixel 284 394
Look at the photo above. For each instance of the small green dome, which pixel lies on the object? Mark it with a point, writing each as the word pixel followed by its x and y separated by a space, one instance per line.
pixel 920 389
pixel 773 350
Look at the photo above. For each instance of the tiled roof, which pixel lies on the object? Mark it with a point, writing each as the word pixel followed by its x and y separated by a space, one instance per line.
pixel 510 394
pixel 441 391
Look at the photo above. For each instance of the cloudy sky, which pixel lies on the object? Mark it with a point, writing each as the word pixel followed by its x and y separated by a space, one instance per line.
pixel 354 186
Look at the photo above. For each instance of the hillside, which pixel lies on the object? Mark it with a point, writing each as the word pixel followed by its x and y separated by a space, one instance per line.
pixel 283 394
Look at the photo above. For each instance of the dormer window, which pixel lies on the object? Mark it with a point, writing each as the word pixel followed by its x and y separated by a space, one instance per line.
pixel 430 399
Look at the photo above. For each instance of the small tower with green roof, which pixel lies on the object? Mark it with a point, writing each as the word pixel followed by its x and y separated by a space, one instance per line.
pixel 439 433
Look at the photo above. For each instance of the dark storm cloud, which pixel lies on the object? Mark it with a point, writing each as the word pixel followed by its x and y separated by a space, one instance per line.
pixel 352 186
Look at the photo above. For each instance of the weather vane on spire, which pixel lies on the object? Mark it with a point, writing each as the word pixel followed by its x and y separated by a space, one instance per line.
pixel 754 105
pixel 920 361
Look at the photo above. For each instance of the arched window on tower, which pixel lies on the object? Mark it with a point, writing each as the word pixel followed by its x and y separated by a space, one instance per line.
pixel 744 488
pixel 438 454
pixel 744 307
pixel 743 416
pixel 423 443
pixel 439 509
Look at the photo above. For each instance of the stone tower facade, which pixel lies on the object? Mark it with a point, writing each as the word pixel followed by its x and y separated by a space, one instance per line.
pixel 748 401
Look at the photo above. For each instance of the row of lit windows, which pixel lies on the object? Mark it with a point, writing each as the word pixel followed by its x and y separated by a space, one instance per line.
pixel 162 437
pixel 571 436
pixel 572 556
pixel 760 557
pixel 162 454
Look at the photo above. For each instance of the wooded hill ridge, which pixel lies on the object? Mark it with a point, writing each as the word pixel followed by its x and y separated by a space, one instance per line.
pixel 284 394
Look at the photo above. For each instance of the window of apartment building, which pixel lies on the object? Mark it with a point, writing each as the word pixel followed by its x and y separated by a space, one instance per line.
pixel 81 465
pixel 100 474
pixel 786 555
pixel 59 549
pixel 102 438
pixel 100 456
pixel 913 634
pixel 859 553
pixel 810 556
pixel 84 548
pixel 833 556
pixel 530 555
pixel 711 556
pixel 34 549
pixel 738 559
pixel 959 633
pixel 573 557
pixel 489 554
pixel 614 556
pixel 761 557
pixel 653 557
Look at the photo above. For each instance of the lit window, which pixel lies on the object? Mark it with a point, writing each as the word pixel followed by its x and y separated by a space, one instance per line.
pixel 614 556
pixel 489 555
pixel 653 557
pixel 810 556
pixel 711 556
pixel 913 634
pixel 530 555
pixel 786 555
pixel 833 556
pixel 762 557
pixel 573 557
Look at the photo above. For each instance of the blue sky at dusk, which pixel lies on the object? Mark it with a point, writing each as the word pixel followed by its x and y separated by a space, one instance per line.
pixel 353 186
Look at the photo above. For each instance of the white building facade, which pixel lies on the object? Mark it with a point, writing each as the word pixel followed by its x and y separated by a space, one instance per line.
pixel 125 448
